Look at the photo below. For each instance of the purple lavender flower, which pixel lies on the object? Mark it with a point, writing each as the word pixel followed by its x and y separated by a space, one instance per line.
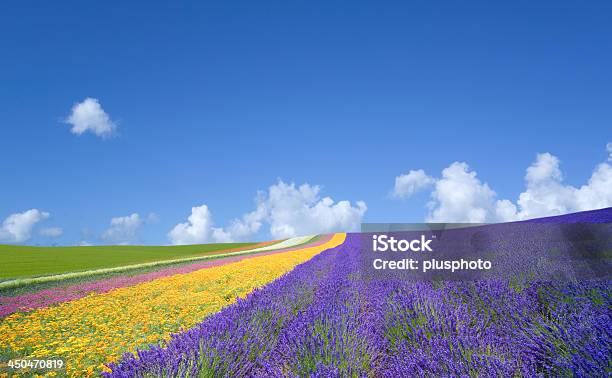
pixel 329 317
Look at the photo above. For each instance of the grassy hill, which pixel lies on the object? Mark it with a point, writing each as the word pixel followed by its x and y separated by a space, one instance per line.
pixel 27 261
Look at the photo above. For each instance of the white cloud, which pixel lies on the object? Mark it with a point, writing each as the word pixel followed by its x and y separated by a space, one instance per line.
pixel 459 196
pixel 545 193
pixel 288 210
pixel 17 227
pixel 294 211
pixel 52 232
pixel 406 185
pixel 196 230
pixel 89 116
pixel 123 230
pixel 152 218
pixel 241 229
pixel 199 228
pixel 545 168
pixel 597 193
pixel 505 211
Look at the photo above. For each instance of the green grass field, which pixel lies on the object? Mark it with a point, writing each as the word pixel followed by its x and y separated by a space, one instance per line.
pixel 26 261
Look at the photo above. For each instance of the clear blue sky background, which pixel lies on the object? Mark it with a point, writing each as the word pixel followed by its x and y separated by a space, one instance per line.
pixel 216 100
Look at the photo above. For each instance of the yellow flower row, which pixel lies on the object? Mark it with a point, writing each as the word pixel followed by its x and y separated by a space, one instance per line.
pixel 88 332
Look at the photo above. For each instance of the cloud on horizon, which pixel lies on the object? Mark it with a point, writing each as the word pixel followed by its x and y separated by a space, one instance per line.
pixel 52 232
pixel 459 195
pixel 410 183
pixel 17 227
pixel 289 211
pixel 123 230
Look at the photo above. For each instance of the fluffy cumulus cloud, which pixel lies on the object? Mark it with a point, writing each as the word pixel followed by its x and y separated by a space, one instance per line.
pixel 289 210
pixel 294 211
pixel 406 185
pixel 196 230
pixel 199 228
pixel 459 195
pixel 52 232
pixel 241 229
pixel 17 228
pixel 123 230
pixel 546 194
pixel 88 116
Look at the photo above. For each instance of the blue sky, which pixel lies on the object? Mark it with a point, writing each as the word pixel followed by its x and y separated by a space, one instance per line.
pixel 215 101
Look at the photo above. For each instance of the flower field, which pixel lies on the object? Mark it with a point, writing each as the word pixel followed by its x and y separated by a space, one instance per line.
pixel 212 254
pixel 99 328
pixel 330 318
pixel 47 297
pixel 317 311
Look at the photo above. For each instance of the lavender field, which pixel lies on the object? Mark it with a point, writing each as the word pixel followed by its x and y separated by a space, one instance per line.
pixel 330 317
